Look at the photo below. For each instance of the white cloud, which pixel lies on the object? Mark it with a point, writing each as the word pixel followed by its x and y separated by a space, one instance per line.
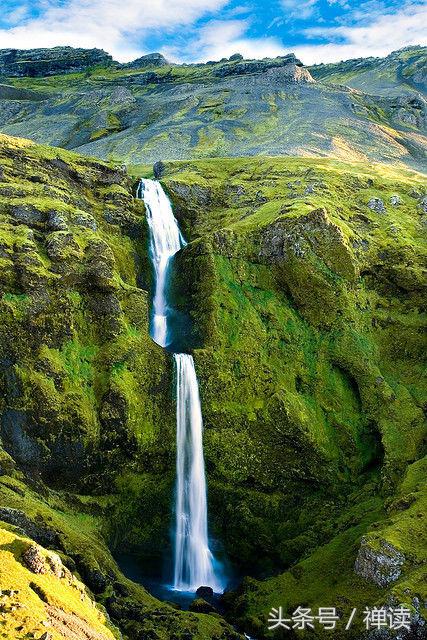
pixel 113 25
pixel 18 14
pixel 121 28
pixel 221 38
pixel 384 34
pixel 301 9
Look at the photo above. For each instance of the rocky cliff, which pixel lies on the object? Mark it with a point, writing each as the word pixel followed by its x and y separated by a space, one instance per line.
pixel 86 415
pixel 32 63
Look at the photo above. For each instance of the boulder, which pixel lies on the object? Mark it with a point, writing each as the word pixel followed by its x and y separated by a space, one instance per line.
pixel 34 560
pixel 204 592
pixel 382 565
pixel 158 169
pixel 377 205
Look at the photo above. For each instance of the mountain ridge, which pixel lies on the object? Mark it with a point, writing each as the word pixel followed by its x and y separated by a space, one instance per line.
pixel 233 107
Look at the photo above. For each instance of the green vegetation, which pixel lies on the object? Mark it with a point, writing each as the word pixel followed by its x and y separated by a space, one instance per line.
pixel 399 73
pixel 307 312
pixel 302 291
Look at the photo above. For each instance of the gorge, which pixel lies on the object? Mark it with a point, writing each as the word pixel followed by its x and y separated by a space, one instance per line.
pixel 194 562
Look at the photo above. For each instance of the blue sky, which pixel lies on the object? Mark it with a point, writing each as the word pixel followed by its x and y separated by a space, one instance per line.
pixel 198 30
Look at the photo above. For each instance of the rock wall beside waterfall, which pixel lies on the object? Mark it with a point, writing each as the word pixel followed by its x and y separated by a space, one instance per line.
pixel 306 306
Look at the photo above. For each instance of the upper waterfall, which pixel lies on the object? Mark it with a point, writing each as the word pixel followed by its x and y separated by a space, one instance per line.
pixel 165 240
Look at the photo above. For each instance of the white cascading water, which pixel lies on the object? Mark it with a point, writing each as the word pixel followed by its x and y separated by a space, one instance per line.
pixel 194 562
pixel 165 240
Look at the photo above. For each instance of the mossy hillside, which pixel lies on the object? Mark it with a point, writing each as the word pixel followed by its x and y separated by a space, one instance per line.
pixel 86 394
pixel 44 602
pixel 78 377
pixel 327 575
pixel 398 73
pixel 308 313
pixel 76 528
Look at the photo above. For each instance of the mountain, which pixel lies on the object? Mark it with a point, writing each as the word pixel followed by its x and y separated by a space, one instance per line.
pixel 303 286
pixel 402 72
pixel 48 62
pixel 149 110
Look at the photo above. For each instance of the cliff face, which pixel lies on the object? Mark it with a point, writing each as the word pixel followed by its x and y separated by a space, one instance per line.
pixel 307 301
pixel 401 72
pixel 74 331
pixel 87 422
pixel 32 63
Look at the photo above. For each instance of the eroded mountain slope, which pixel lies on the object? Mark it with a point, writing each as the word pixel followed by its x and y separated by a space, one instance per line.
pixel 146 111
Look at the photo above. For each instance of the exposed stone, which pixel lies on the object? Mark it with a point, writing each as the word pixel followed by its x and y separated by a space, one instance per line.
pixel 158 169
pixel 377 205
pixel 204 592
pixel 292 69
pixel 149 60
pixel 382 566
pixel 26 214
pixel 34 560
pixel 86 220
pixel 56 221
pixel 395 200
pixel 8 92
pixel 148 77
pixel 37 531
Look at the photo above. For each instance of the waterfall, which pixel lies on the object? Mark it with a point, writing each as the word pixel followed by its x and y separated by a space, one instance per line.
pixel 165 240
pixel 194 562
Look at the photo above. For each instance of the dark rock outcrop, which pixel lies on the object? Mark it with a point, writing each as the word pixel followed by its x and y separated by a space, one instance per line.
pixel 158 169
pixel 38 531
pixel 8 92
pixel 48 62
pixel 204 592
pixel 381 566
pixel 289 65
pixel 149 60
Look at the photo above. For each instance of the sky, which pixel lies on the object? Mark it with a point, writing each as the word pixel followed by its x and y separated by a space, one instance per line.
pixel 200 30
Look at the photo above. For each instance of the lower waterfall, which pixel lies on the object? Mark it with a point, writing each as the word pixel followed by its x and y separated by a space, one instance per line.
pixel 193 561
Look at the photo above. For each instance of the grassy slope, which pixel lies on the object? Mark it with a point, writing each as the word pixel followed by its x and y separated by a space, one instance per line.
pixel 309 361
pixel 398 74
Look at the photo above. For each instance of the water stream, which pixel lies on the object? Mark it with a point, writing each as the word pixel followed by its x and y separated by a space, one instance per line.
pixel 194 564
